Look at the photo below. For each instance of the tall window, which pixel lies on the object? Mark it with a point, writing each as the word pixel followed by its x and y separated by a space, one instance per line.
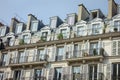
pixel 18 28
pixel 76 52
pixel 22 57
pixel 4 59
pixel 60 53
pixel 64 32
pixel 1 75
pixel 93 72
pixel 17 75
pixel 94 48
pixel 80 30
pixel 58 73
pixel 116 71
pixel 76 72
pixel 96 28
pixel 26 38
pixel 41 55
pixel 38 73
pixel 117 25
pixel 34 26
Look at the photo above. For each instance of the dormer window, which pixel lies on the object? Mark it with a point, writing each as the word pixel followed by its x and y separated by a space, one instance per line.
pixel 19 28
pixel 63 31
pixel 34 26
pixel 96 28
pixel 2 31
pixel 26 38
pixel 94 14
pixel 117 25
pixel 44 35
pixel 71 20
pixel 80 30
pixel 53 23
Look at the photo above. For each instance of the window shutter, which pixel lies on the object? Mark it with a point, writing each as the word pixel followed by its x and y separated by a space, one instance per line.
pixel 8 59
pixel 80 50
pixel 22 74
pixel 67 73
pixel 108 72
pixel 65 51
pixel 48 36
pixel 118 47
pixel 53 53
pixel 99 47
pixel 43 75
pixel 32 74
pixel 114 48
pixel 11 74
pixel 68 32
pixel 85 72
pixel 100 71
pixel 51 74
pixel 71 50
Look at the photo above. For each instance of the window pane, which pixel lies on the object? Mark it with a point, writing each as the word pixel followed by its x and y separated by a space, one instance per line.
pixel 117 25
pixel 63 31
pixel 58 73
pixel 80 30
pixel 34 26
pixel 96 28
pixel 18 28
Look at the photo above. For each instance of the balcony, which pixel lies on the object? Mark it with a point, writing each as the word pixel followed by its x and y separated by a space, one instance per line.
pixel 33 78
pixel 84 76
pixel 28 60
pixel 85 55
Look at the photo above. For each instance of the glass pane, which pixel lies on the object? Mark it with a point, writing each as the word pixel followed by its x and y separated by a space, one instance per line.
pixel 96 28
pixel 114 75
pixel 58 73
pixel 34 26
pixel 38 74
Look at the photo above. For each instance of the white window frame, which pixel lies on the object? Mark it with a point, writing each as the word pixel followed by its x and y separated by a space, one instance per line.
pixel 34 26
pixel 97 28
pixel 19 27
pixel 118 27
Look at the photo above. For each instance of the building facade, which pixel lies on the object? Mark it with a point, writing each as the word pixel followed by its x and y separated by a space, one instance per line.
pixel 86 46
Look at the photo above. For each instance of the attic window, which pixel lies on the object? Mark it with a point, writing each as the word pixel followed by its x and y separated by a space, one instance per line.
pixel 94 14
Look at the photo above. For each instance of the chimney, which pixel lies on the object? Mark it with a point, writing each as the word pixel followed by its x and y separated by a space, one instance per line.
pixel 30 18
pixel 112 8
pixel 1 24
pixel 83 13
pixel 14 21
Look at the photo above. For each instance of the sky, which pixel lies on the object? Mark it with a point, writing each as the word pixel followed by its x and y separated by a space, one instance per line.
pixel 44 9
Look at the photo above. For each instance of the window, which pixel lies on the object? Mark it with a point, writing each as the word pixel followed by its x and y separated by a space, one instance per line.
pixel 26 38
pixel 60 53
pixel 76 52
pixel 38 73
pixel 94 49
pixel 1 75
pixel 92 72
pixel 80 30
pixel 53 23
pixel 71 20
pixel 10 41
pixel 76 72
pixel 27 75
pixel 116 48
pixel 58 74
pixel 41 55
pixel 22 57
pixel 4 59
pixel 119 9
pixel 63 31
pixel 96 28
pixel 34 26
pixel 116 71
pixel 44 35
pixel 117 25
pixel 2 31
pixel 17 75
pixel 18 28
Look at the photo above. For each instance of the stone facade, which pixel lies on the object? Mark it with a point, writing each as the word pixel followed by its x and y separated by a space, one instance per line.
pixel 83 47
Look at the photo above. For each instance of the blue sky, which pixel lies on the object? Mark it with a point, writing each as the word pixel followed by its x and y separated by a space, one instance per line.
pixel 43 9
